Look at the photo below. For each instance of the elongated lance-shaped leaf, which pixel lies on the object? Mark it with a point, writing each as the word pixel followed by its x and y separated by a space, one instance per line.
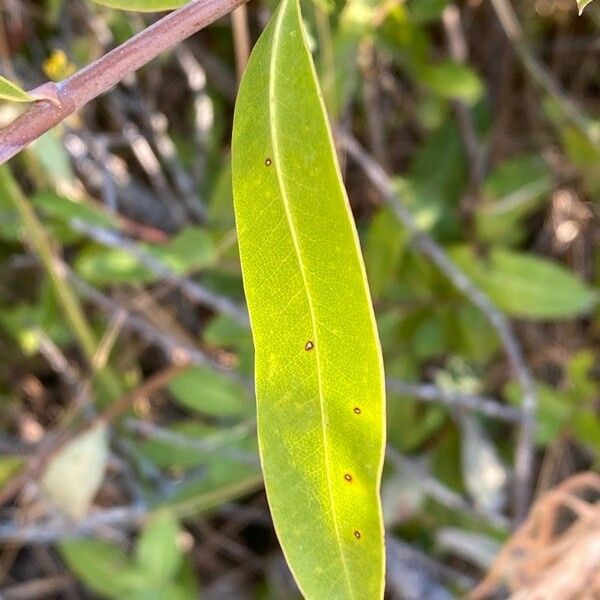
pixel 319 373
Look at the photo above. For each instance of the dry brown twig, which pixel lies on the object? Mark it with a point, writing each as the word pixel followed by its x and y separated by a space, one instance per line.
pixel 555 554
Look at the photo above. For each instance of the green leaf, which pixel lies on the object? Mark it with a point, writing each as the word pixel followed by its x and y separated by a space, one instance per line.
pixel 50 153
pixel 61 212
pixel 513 191
pixel 190 249
pixel 75 474
pixel 581 4
pixel 584 155
pixel 157 552
pixel 207 391
pixel 100 565
pixel 225 481
pixel 319 374
pixel 12 92
pixel 526 286
pixel 553 412
pixel 453 80
pixel 159 572
pixel 143 5
pixel 385 243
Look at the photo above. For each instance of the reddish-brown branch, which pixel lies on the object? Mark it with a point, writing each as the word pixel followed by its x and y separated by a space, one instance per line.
pixel 95 79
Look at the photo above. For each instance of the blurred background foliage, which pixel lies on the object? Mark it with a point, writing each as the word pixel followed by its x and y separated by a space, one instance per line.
pixel 126 475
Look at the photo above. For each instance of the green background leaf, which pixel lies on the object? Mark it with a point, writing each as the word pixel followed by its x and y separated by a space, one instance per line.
pixel 157 552
pixel 453 80
pixel 212 393
pixel 12 92
pixel 527 286
pixel 99 565
pixel 320 406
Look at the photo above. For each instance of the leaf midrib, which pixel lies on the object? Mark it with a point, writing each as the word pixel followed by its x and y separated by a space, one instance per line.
pixel 298 251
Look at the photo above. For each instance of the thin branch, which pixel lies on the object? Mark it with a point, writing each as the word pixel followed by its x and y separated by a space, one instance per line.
pixel 98 77
pixel 525 447
pixel 431 393
pixel 43 587
pixel 207 445
pixel 514 32
pixel 191 289
pixel 177 350
pixel 153 384
pixel 439 492
pixel 126 517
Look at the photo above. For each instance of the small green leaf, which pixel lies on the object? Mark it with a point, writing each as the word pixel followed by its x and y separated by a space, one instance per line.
pixel 526 286
pixel 553 411
pixel 101 566
pixel 453 80
pixel 512 192
pixel 159 572
pixel 51 154
pixel 384 247
pixel 191 249
pixel 581 4
pixel 66 210
pixel 143 5
pixel 157 552
pixel 212 393
pixel 319 374
pixel 75 474
pixel 12 92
